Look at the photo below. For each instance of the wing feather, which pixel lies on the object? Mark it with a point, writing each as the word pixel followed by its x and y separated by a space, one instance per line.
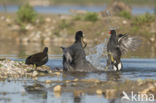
pixel 127 43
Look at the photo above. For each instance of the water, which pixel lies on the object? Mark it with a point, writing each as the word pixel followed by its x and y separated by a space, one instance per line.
pixel 137 65
pixel 133 69
pixel 60 9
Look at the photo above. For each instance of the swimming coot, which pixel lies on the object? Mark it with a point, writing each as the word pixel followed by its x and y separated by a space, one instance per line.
pixel 74 57
pixel 38 59
pixel 117 46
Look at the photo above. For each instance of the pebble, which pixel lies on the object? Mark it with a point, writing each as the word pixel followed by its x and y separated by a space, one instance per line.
pixel 35 73
pixel 57 73
pixel 99 92
pixel 48 81
pixel 57 88
pixel 110 93
pixel 124 22
pixel 48 19
pixel 76 79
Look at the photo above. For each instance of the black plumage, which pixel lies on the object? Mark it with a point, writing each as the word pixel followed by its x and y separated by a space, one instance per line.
pixel 74 57
pixel 38 59
pixel 117 46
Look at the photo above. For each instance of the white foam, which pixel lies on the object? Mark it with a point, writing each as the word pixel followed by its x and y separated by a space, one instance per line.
pixel 96 54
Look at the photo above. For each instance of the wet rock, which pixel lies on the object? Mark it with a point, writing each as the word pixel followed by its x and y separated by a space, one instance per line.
pixel 150 88
pixel 57 73
pixel 78 93
pixel 99 92
pixel 34 88
pixel 110 93
pixel 140 82
pixel 57 88
pixel 16 69
pixel 76 79
pixel 67 81
pixel 35 73
pixel 48 81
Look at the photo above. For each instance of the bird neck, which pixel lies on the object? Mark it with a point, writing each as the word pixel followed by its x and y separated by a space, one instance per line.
pixel 78 40
pixel 113 37
pixel 45 51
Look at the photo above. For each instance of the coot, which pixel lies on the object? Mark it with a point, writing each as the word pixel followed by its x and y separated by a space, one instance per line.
pixel 74 57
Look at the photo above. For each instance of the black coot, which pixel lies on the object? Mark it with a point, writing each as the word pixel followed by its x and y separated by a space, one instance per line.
pixel 117 46
pixel 74 57
pixel 38 59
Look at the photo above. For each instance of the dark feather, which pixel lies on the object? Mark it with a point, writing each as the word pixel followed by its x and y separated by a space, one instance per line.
pixel 38 58
pixel 127 43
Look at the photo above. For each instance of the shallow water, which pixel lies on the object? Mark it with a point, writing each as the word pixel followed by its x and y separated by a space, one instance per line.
pixel 133 69
pixel 136 65
pixel 57 9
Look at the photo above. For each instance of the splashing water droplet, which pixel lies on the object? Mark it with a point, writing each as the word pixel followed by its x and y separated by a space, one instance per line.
pixel 96 54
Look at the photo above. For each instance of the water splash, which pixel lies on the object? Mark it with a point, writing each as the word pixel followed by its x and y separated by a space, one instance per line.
pixel 96 54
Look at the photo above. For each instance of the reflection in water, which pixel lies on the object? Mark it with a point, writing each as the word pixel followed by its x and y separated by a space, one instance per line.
pixel 133 69
pixel 73 75
pixel 22 50
pixel 113 76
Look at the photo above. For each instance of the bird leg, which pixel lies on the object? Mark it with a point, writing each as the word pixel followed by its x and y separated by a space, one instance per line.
pixel 112 59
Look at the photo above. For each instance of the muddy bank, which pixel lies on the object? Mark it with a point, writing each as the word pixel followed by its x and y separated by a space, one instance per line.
pixel 56 28
pixel 110 89
pixel 18 69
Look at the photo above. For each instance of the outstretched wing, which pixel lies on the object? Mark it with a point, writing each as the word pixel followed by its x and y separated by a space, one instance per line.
pixel 66 54
pixel 67 59
pixel 127 43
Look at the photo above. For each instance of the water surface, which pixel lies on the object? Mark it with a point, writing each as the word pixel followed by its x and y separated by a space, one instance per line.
pixel 65 9
pixel 136 65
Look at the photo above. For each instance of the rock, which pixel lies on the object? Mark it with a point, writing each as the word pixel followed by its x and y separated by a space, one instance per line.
pixel 67 81
pixel 47 40
pixel 25 40
pixel 150 88
pixel 15 27
pixel 152 39
pixel 47 19
pixel 124 22
pixel 8 20
pixel 110 93
pixel 78 93
pixel 99 92
pixel 57 88
pixel 140 82
pixel 29 27
pixel 48 81
pixel 2 17
pixel 57 73
pixel 34 87
pixel 35 73
pixel 76 79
